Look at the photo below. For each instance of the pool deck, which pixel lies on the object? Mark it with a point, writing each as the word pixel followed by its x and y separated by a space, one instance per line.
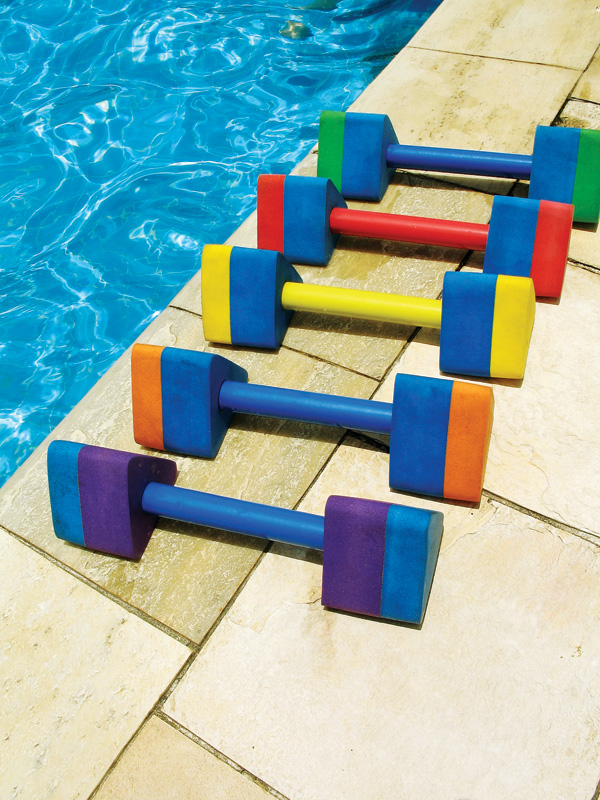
pixel 210 669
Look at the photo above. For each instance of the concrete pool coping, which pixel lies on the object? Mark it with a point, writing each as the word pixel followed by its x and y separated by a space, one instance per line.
pixel 210 668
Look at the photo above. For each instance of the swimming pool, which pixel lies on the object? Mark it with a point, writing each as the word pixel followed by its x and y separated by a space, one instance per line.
pixel 132 134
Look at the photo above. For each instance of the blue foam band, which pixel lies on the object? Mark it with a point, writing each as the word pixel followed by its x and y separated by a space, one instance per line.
pixel 63 483
pixel 251 293
pixel 284 273
pixel 365 171
pixel 555 152
pixel 511 239
pixel 468 302
pixel 412 540
pixel 418 461
pixel 193 422
pixel 184 417
pixel 307 206
pixel 256 279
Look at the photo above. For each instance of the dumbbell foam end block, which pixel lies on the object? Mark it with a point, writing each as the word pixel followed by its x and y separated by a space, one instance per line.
pixel 440 437
pixel 566 168
pixel 353 153
pixel 96 496
pixel 293 217
pixel 530 238
pixel 175 396
pixel 241 295
pixel 486 324
pixel 379 558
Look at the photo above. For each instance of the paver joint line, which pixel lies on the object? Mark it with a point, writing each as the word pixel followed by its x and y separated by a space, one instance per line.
pixel 155 710
pixel 588 536
pixel 136 612
pixel 161 714
pixel 586 267
pixel 330 363
pixel 499 58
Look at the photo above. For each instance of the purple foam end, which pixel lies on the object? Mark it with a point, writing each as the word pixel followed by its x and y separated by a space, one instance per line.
pixel 111 485
pixel 353 554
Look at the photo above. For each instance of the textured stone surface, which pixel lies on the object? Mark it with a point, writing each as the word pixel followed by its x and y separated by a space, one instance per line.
pixel 163 764
pixel 496 696
pixel 465 101
pixel 561 33
pixel 187 575
pixel 395 267
pixel 577 114
pixel 545 447
pixel 585 245
pixel 78 675
pixel 588 86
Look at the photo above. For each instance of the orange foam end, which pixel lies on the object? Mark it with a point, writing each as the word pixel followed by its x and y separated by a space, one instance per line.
pixel 269 211
pixel 146 395
pixel 551 248
pixel 469 432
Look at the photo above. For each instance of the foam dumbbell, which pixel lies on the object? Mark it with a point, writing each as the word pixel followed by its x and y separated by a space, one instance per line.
pixel 378 558
pixel 249 296
pixel 303 217
pixel 439 430
pixel 360 152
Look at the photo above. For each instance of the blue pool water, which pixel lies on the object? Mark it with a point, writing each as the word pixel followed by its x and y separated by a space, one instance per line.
pixel 133 133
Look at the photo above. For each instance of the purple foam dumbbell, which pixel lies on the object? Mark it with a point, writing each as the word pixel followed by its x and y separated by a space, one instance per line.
pixel 378 558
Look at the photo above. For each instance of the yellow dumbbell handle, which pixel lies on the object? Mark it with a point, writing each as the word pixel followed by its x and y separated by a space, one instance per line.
pixel 364 305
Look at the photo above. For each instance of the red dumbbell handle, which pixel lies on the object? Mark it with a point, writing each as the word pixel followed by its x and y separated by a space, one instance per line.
pixel 400 228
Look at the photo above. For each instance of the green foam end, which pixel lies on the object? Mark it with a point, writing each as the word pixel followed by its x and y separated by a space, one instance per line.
pixel 586 191
pixel 331 147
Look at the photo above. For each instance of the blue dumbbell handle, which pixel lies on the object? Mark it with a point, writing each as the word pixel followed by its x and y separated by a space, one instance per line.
pixel 464 162
pixel 325 409
pixel 240 516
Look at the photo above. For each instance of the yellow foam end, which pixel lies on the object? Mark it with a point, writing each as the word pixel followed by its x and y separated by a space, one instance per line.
pixel 214 279
pixel 514 312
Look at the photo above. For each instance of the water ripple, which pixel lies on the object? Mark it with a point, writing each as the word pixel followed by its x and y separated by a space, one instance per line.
pixel 132 134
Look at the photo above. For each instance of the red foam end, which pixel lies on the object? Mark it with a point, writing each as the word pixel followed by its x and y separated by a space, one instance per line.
pixel 551 248
pixel 269 208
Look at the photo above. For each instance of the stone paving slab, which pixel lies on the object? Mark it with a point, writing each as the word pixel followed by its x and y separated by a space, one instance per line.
pixel 186 577
pixel 78 675
pixel 163 764
pixel 455 100
pixel 545 447
pixel 495 696
pixel 558 32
